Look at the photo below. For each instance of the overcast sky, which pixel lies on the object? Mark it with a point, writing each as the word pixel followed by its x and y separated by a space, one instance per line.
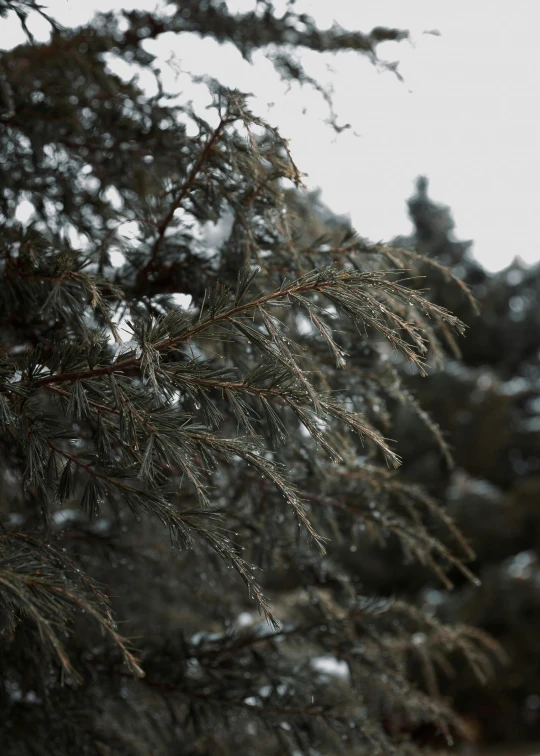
pixel 466 114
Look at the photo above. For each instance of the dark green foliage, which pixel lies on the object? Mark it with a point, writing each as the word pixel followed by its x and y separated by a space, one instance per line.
pixel 146 446
pixel 487 404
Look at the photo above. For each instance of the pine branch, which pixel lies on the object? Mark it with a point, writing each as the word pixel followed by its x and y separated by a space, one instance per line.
pixel 34 580
pixel 341 288
pixel 165 222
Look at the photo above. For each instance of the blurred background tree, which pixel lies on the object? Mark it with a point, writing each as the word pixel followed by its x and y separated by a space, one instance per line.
pixel 484 398
pixel 247 428
pixel 487 403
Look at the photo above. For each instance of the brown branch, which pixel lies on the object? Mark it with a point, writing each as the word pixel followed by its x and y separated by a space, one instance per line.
pixel 134 362
pixel 281 293
pixel 390 253
pixel 166 221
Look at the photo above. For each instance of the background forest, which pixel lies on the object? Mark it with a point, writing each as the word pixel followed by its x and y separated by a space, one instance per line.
pixel 266 486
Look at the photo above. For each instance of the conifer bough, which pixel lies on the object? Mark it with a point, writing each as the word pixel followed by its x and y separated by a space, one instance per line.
pixel 241 424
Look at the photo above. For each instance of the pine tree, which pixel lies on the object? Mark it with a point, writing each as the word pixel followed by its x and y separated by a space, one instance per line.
pixel 147 445
pixel 487 403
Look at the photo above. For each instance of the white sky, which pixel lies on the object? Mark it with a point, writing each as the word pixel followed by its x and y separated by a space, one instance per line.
pixel 466 115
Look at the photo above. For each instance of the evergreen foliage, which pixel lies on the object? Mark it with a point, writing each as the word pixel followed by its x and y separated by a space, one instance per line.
pixel 146 445
pixel 487 403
